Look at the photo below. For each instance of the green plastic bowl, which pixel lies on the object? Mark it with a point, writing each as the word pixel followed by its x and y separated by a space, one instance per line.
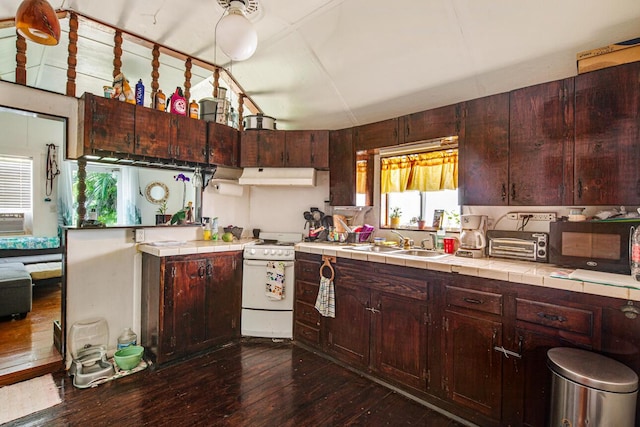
pixel 129 357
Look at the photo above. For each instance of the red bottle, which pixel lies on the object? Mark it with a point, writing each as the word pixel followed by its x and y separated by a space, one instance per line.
pixel 178 103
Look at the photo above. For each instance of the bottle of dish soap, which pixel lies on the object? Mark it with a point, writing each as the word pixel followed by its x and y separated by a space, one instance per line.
pixel 127 338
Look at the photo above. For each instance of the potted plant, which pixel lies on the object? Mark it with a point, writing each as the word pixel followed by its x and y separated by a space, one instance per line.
pixel 421 223
pixel 395 217
pixel 161 216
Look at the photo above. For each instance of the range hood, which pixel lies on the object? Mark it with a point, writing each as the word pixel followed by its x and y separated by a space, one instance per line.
pixel 279 177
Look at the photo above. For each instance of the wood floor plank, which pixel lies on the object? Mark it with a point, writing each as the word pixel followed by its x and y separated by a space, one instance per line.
pixel 246 384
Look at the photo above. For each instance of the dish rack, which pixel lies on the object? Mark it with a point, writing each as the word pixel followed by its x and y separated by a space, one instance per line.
pixel 360 234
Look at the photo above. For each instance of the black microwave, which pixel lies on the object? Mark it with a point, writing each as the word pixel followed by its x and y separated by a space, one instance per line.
pixel 593 245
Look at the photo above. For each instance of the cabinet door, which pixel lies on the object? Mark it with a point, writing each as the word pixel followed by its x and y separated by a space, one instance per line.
pixel 223 297
pixel 262 148
pixel 435 123
pixel 400 339
pixel 109 125
pixel 342 168
pixel 534 376
pixel 376 135
pixel 484 152
pixel 153 133
pixel 307 149
pixel 348 333
pixel 222 142
pixel 540 143
pixel 189 139
pixel 472 369
pixel 607 142
pixel 183 312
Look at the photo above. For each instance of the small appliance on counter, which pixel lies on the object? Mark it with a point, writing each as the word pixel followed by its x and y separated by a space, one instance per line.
pixel 472 236
pixel 522 245
pixel 88 342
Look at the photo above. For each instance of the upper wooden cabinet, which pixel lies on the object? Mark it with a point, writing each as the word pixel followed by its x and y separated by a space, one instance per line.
pixel 430 124
pixel 108 125
pixel 121 129
pixel 274 148
pixel 307 148
pixel 540 142
pixel 222 143
pixel 342 167
pixel 484 152
pixel 607 136
pixel 260 148
pixel 376 135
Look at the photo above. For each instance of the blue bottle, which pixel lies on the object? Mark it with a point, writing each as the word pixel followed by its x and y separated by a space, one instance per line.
pixel 139 93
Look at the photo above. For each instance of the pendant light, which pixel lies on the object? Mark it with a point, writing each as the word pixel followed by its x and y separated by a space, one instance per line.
pixel 235 34
pixel 37 21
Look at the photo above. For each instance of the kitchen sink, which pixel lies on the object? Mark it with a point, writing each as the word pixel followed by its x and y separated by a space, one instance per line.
pixel 373 249
pixel 422 253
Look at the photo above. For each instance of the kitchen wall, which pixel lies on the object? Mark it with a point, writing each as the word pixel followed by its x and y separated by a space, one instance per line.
pixel 267 208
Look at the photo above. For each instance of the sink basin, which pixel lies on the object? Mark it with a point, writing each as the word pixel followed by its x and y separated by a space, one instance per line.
pixel 422 253
pixel 373 249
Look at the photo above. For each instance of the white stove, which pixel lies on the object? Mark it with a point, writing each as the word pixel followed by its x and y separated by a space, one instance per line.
pixel 269 261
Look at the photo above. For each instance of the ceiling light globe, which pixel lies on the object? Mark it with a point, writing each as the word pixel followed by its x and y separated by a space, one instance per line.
pixel 236 37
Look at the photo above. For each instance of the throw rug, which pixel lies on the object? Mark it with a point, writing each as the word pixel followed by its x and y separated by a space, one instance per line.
pixel 24 398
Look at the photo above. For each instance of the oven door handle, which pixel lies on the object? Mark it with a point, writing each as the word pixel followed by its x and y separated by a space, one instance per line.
pixel 263 263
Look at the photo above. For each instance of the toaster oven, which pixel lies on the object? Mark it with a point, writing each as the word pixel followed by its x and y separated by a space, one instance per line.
pixel 522 245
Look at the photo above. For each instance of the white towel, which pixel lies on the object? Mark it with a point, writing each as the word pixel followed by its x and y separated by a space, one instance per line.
pixel 326 300
pixel 274 288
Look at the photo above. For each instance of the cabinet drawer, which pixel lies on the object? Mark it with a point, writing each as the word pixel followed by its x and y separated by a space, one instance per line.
pixel 555 316
pixel 308 270
pixel 474 300
pixel 307 292
pixel 307 333
pixel 307 314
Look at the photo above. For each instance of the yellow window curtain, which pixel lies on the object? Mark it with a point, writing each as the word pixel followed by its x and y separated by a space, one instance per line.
pixel 434 171
pixel 361 176
pixel 394 174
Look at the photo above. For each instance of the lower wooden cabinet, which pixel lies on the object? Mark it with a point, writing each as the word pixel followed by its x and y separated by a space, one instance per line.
pixel 475 347
pixel 189 303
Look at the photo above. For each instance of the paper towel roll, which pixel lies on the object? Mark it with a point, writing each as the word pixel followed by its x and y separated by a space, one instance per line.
pixel 227 188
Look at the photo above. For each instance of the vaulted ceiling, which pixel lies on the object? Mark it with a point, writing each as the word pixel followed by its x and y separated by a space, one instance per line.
pixel 339 63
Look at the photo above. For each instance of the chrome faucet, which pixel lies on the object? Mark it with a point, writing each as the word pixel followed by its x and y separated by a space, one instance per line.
pixel 405 242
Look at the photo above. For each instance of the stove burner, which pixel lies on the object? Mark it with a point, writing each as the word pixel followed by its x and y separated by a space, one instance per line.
pixel 272 243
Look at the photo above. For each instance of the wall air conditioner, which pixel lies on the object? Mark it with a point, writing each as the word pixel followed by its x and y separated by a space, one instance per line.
pixel 11 223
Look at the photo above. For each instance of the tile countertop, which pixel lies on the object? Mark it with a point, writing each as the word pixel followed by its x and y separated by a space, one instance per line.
pixel 529 273
pixel 175 247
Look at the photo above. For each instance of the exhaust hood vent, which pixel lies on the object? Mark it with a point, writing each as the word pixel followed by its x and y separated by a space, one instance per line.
pixel 279 177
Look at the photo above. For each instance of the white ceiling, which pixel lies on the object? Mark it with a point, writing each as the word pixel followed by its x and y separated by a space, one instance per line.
pixel 339 63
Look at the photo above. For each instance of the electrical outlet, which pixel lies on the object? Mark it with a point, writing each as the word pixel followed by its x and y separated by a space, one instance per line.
pixel 139 236
pixel 532 216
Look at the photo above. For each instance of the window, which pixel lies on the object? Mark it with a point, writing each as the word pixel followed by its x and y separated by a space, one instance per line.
pixel 16 176
pixel 420 184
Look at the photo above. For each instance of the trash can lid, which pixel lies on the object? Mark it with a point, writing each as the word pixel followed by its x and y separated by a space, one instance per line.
pixel 592 370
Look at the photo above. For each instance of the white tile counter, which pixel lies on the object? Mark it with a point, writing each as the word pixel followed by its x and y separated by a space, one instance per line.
pixel 529 273
pixel 175 247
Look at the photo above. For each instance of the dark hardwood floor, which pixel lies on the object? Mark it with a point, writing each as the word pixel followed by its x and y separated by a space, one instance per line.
pixel 252 383
pixel 26 345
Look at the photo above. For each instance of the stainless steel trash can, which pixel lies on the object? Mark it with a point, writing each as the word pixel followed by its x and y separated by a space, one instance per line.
pixel 588 389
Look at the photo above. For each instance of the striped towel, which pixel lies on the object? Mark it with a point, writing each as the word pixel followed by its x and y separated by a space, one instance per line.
pixel 274 288
pixel 326 301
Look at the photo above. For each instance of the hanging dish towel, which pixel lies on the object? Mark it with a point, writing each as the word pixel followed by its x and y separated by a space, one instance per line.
pixel 326 301
pixel 274 288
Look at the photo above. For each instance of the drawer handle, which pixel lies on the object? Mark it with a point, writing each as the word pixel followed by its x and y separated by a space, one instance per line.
pixel 307 291
pixel 472 300
pixel 552 317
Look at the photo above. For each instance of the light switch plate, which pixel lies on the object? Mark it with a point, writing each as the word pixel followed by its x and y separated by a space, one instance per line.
pixel 139 235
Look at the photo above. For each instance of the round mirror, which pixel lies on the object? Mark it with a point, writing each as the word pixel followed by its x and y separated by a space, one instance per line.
pixel 157 192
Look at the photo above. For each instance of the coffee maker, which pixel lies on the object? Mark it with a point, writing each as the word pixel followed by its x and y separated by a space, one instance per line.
pixel 472 236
